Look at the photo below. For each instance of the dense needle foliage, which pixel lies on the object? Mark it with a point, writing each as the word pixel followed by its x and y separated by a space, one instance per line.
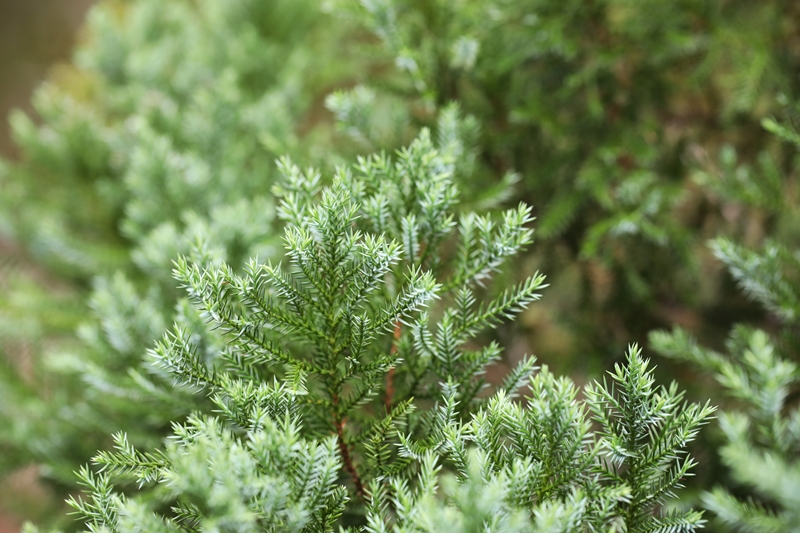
pixel 335 391
pixel 275 347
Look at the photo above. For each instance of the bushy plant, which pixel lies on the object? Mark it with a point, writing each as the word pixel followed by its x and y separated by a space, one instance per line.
pixel 165 132
pixel 340 402
pixel 601 111
pixel 161 143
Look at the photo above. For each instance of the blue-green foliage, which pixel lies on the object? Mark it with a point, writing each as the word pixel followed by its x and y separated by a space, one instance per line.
pixel 379 313
pixel 164 135
pixel 343 311
pixel 339 402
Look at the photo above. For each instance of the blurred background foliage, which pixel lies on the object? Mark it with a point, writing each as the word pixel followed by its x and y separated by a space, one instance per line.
pixel 33 36
pixel 635 128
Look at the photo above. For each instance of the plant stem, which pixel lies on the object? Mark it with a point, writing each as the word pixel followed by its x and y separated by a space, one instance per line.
pixel 389 397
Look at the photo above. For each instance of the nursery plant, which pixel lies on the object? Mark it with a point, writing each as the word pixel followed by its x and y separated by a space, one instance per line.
pixel 349 385
pixel 163 132
pixel 379 346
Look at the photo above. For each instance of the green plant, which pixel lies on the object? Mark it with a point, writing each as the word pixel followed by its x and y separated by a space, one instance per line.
pixel 163 133
pixel 340 402
pixel 759 371
pixel 601 111
pixel 160 143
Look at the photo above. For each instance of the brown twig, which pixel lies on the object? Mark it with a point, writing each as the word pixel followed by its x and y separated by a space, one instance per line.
pixel 348 460
pixel 389 397
pixel 339 423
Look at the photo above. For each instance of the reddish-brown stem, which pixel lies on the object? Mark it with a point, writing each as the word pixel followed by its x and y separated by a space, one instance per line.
pixel 348 460
pixel 339 423
pixel 387 400
pixel 344 451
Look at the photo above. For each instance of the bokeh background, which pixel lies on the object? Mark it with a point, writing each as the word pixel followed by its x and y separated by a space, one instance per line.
pixel 35 37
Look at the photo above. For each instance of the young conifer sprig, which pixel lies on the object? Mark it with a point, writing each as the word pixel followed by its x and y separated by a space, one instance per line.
pixel 270 480
pixel 642 441
pixel 342 313
pixel 762 434
pixel 540 466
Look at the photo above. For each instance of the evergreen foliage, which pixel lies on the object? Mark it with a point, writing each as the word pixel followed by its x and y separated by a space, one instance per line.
pixel 369 341
pixel 762 429
pixel 601 111
pixel 174 119
pixel 335 391
pixel 164 134
pixel 350 287
pixel 272 479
